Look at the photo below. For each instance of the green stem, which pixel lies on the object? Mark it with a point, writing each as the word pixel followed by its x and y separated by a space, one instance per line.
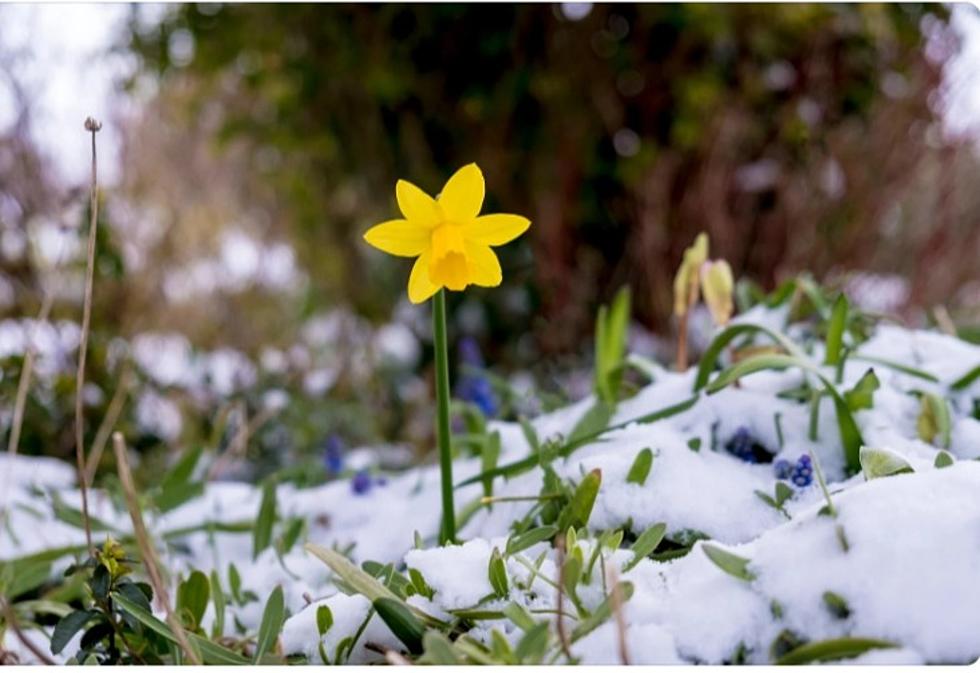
pixel 447 533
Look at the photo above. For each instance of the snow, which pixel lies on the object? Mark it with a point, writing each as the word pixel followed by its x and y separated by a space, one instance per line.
pixel 908 574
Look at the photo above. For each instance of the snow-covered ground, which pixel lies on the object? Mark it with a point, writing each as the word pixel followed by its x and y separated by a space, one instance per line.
pixel 900 560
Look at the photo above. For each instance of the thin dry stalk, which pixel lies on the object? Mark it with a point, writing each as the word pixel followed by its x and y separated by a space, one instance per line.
pixel 11 618
pixel 20 402
pixel 559 618
pixel 108 424
pixel 147 551
pixel 617 610
pixel 682 343
pixel 93 127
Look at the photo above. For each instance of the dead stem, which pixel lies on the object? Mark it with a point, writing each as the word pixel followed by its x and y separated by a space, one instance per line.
pixel 108 423
pixel 617 609
pixel 93 127
pixel 11 617
pixel 682 343
pixel 559 621
pixel 147 550
pixel 20 402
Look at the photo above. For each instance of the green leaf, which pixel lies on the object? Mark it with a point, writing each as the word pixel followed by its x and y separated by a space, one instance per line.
pixel 602 612
pixel 783 493
pixel 640 469
pixel 577 512
pixel 22 576
pixel 498 575
pixel 835 331
pixel 211 653
pixel 235 583
pixel 324 619
pixel 710 358
pixel 273 617
pixel 519 616
pixel 610 346
pixel 530 434
pixel 68 626
pixel 836 604
pixel 405 625
pixel 645 544
pixel 943 459
pixel 966 380
pixel 176 487
pixel 861 396
pixel 100 582
pixel 897 366
pixel 876 463
pixel 593 422
pixel 218 597
pixel 933 424
pixel 830 650
pixel 532 647
pixel 262 535
pixel 290 536
pixel 734 565
pixel 530 538
pixel 193 595
pixel 488 460
pixel 849 431
pixel 439 650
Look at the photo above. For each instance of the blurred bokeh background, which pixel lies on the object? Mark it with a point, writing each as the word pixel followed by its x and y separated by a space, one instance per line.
pixel 246 148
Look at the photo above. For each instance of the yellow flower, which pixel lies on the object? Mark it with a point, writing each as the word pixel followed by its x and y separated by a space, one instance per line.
pixel 717 284
pixel 450 238
pixel 688 275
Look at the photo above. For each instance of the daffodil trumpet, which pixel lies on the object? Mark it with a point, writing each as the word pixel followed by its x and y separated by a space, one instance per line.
pixel 453 248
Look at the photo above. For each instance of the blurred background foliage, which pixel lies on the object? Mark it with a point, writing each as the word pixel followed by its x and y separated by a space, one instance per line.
pixel 268 138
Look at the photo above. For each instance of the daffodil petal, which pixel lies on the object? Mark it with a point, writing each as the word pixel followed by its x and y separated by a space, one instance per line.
pixel 399 237
pixel 484 267
pixel 495 229
pixel 462 197
pixel 420 287
pixel 416 205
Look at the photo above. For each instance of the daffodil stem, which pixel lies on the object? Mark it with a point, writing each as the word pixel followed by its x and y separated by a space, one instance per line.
pixel 447 533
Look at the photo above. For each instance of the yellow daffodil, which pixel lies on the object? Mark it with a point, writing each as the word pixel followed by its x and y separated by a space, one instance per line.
pixel 688 276
pixel 717 285
pixel 447 234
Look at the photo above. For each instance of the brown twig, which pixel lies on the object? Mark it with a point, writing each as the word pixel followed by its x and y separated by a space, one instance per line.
pixel 682 342
pixel 108 423
pixel 617 609
pixel 147 550
pixel 20 402
pixel 559 621
pixel 11 617
pixel 93 127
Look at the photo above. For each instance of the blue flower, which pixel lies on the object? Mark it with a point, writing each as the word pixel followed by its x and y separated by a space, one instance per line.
pixel 473 387
pixel 740 445
pixel 802 474
pixel 783 469
pixel 333 455
pixel 361 482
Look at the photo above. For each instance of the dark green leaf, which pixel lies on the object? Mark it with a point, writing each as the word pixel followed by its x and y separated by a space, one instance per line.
pixel 966 380
pixel 324 619
pixel 836 604
pixel 100 582
pixel 68 626
pixel 943 459
pixel 405 625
